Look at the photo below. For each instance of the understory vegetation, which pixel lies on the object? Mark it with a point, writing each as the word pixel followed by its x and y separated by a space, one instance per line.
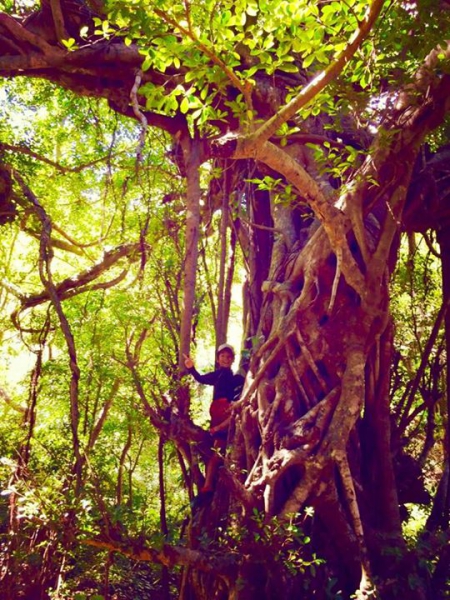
pixel 174 176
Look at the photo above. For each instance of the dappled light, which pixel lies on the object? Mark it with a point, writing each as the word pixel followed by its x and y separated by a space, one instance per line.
pixel 225 291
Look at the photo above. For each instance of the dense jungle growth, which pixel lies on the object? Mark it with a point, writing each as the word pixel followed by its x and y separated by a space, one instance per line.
pixel 176 175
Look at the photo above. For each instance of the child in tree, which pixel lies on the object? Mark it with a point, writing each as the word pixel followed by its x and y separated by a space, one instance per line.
pixel 227 387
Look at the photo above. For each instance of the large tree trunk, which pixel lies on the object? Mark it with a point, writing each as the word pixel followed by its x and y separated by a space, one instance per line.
pixel 313 425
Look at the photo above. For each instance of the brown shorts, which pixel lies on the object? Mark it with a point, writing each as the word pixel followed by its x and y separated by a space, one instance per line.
pixel 219 411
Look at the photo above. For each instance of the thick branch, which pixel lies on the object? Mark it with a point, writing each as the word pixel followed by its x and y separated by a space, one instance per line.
pixel 192 158
pixel 335 222
pixel 353 507
pixel 21 34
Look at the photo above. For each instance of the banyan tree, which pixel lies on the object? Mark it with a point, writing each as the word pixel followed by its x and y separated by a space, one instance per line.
pixel 322 127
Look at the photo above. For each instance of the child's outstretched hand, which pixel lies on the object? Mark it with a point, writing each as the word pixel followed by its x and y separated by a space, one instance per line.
pixel 188 362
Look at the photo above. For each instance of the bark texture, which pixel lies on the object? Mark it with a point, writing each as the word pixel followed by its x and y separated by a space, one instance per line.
pixel 312 428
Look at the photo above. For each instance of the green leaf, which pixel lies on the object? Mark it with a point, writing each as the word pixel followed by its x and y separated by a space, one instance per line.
pixel 147 63
pixel 308 61
pixel 190 76
pixel 184 106
pixel 70 44
pixel 288 68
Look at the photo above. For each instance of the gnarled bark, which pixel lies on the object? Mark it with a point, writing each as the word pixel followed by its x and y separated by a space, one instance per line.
pixel 312 426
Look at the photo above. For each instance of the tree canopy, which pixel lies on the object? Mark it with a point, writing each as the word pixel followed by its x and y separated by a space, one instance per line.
pixel 177 175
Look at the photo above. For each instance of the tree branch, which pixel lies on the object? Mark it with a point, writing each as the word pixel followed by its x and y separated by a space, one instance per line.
pixel 352 504
pixel 58 20
pixel 48 161
pixel 4 396
pixel 335 221
pixel 207 51
pixel 140 116
pixel 21 34
pixel 168 556
pixel 110 258
pixel 103 415
pixel 46 255
pixel 320 81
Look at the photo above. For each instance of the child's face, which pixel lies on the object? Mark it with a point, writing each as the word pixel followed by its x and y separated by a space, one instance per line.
pixel 225 358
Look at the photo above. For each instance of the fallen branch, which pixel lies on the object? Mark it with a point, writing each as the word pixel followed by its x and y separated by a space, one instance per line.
pixel 169 556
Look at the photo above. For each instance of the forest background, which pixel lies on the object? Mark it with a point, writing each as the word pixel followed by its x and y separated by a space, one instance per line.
pixel 173 175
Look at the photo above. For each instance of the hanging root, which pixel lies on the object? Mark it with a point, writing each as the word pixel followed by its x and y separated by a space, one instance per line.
pixel 294 371
pixel 310 360
pixel 139 115
pixel 366 588
pixel 337 276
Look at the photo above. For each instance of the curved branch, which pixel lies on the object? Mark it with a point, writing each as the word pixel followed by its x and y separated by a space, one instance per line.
pixel 62 289
pixel 140 116
pixel 320 81
pixel 335 221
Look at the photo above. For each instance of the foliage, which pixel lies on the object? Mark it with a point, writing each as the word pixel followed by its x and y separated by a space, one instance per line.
pixel 96 447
